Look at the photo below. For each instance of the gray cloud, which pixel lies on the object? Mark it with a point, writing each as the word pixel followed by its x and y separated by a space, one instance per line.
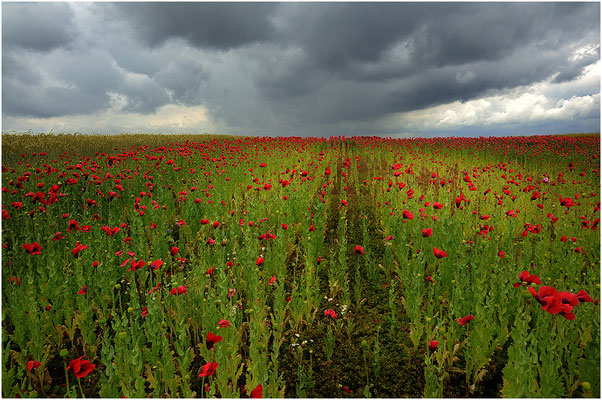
pixel 37 26
pixel 288 67
pixel 574 68
pixel 213 25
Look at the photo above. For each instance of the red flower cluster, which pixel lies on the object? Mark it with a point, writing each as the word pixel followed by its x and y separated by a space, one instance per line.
pixel 178 290
pixel 34 248
pixel 556 302
pixel 526 277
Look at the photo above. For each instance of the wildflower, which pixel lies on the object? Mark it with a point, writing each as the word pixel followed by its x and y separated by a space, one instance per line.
pixel 526 277
pixel 178 290
pixel 81 368
pixel 79 247
pixel 584 297
pixel 223 323
pixel 34 248
pixel 465 320
pixel 208 369
pixel 439 253
pixel 33 364
pixel 212 340
pixel 156 264
pixel 257 393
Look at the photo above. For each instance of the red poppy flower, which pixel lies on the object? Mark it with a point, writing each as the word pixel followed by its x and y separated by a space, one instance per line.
pixel 430 279
pixel 83 290
pixel 433 344
pixel 427 232
pixel 439 253
pixel 330 313
pixel 347 390
pixel 359 249
pixel 156 264
pixel 389 238
pixel 33 364
pixel 212 340
pixel 584 297
pixel 272 280
pixel 502 254
pixel 567 202
pixel 79 247
pixel 223 323
pixel 210 272
pixel 549 298
pixel 178 290
pixel 136 265
pixel 144 312
pixel 34 248
pixel 464 320
pixel 80 367
pixel 174 250
pixel 73 224
pixel 527 278
pixel 58 236
pixel 259 261
pixel 257 393
pixel 407 215
pixel 208 369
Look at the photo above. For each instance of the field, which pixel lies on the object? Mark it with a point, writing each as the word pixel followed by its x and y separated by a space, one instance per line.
pixel 197 266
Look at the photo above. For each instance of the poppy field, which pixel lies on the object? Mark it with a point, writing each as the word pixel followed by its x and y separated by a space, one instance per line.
pixel 199 266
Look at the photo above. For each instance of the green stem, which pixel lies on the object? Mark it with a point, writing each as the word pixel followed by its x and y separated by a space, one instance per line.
pixel 79 382
pixel 67 377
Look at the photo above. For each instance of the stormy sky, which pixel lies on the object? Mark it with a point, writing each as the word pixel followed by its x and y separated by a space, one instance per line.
pixel 319 69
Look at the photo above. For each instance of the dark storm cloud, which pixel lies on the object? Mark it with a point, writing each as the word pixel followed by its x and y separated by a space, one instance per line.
pixel 287 67
pixel 423 50
pixel 37 26
pixel 574 68
pixel 213 25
